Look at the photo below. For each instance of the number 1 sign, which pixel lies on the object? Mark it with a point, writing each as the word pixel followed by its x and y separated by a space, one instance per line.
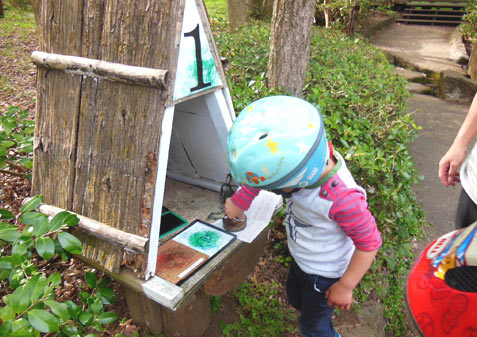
pixel 196 68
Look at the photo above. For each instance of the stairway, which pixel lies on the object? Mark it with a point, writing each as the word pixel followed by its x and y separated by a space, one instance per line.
pixel 433 13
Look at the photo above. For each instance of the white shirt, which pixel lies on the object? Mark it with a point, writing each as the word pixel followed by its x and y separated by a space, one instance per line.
pixel 468 175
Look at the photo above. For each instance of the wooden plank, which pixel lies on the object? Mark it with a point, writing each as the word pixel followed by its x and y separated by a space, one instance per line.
pixel 191 319
pixel 164 149
pixel 237 267
pixel 55 137
pixel 57 108
pixel 106 168
pixel 144 311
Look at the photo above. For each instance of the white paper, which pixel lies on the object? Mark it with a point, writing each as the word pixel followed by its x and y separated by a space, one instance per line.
pixel 258 216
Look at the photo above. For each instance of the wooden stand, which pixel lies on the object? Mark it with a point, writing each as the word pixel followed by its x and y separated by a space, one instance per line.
pixel 129 92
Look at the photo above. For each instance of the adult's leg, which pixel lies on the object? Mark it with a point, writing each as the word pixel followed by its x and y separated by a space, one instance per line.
pixel 466 211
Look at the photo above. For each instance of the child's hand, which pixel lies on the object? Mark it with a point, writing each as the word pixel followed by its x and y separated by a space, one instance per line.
pixel 339 296
pixel 232 211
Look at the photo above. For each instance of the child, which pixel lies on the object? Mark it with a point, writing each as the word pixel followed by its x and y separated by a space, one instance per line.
pixel 278 143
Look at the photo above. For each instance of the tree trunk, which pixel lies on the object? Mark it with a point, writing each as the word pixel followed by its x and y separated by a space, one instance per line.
pixel 241 10
pixel 238 13
pixel 35 4
pixel 290 44
pixel 473 62
pixel 353 18
pixel 1 9
pixel 328 15
pixel 267 9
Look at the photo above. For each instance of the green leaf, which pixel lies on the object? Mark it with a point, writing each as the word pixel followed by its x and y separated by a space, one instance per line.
pixel 71 220
pixel 107 317
pixel 9 234
pixel 6 262
pixel 37 286
pixel 19 249
pixel 96 305
pixel 86 318
pixel 104 282
pixel 31 218
pixel 6 313
pixel 21 328
pixel 38 220
pixel 91 335
pixel 20 299
pixel 84 296
pixel 45 247
pixel 69 330
pixel 6 328
pixel 4 214
pixel 59 309
pixel 16 277
pixel 54 280
pixel 32 204
pixel 91 280
pixel 43 321
pixel 24 331
pixel 8 143
pixel 70 243
pixel 58 221
pixel 27 163
pixel 107 295
pixel 74 309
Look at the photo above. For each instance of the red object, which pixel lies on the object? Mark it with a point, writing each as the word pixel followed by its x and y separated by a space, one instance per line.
pixel 438 309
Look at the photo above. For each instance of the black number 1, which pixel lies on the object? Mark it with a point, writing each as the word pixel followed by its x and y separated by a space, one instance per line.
pixel 198 55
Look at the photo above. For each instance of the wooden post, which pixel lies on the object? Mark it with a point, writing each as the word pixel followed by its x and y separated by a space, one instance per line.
pixel 96 141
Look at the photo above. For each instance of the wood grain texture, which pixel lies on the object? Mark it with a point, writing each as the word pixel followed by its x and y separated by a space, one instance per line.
pixel 116 72
pixel 237 267
pixel 97 141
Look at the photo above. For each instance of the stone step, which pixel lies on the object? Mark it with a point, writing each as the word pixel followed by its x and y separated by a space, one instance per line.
pixel 411 76
pixel 430 16
pixel 430 22
pixel 418 88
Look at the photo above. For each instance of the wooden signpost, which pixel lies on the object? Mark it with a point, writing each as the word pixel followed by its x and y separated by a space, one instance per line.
pixel 133 112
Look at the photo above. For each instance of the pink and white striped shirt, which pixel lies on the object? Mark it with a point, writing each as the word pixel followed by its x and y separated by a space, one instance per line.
pixel 326 223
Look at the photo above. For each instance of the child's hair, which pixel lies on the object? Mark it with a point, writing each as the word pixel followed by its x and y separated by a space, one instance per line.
pixel 278 142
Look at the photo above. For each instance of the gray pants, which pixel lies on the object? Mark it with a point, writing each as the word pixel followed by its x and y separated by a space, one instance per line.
pixel 466 211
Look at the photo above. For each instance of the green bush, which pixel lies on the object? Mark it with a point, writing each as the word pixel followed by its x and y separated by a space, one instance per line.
pixel 469 21
pixel 363 104
pixel 260 312
pixel 31 308
pixel 16 142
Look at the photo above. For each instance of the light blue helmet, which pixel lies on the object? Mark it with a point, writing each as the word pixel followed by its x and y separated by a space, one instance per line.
pixel 278 142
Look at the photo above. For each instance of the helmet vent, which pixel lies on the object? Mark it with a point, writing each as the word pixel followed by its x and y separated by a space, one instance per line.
pixel 462 278
pixel 263 135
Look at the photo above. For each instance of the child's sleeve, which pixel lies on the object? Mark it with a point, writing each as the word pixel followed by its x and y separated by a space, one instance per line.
pixel 244 196
pixel 351 213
